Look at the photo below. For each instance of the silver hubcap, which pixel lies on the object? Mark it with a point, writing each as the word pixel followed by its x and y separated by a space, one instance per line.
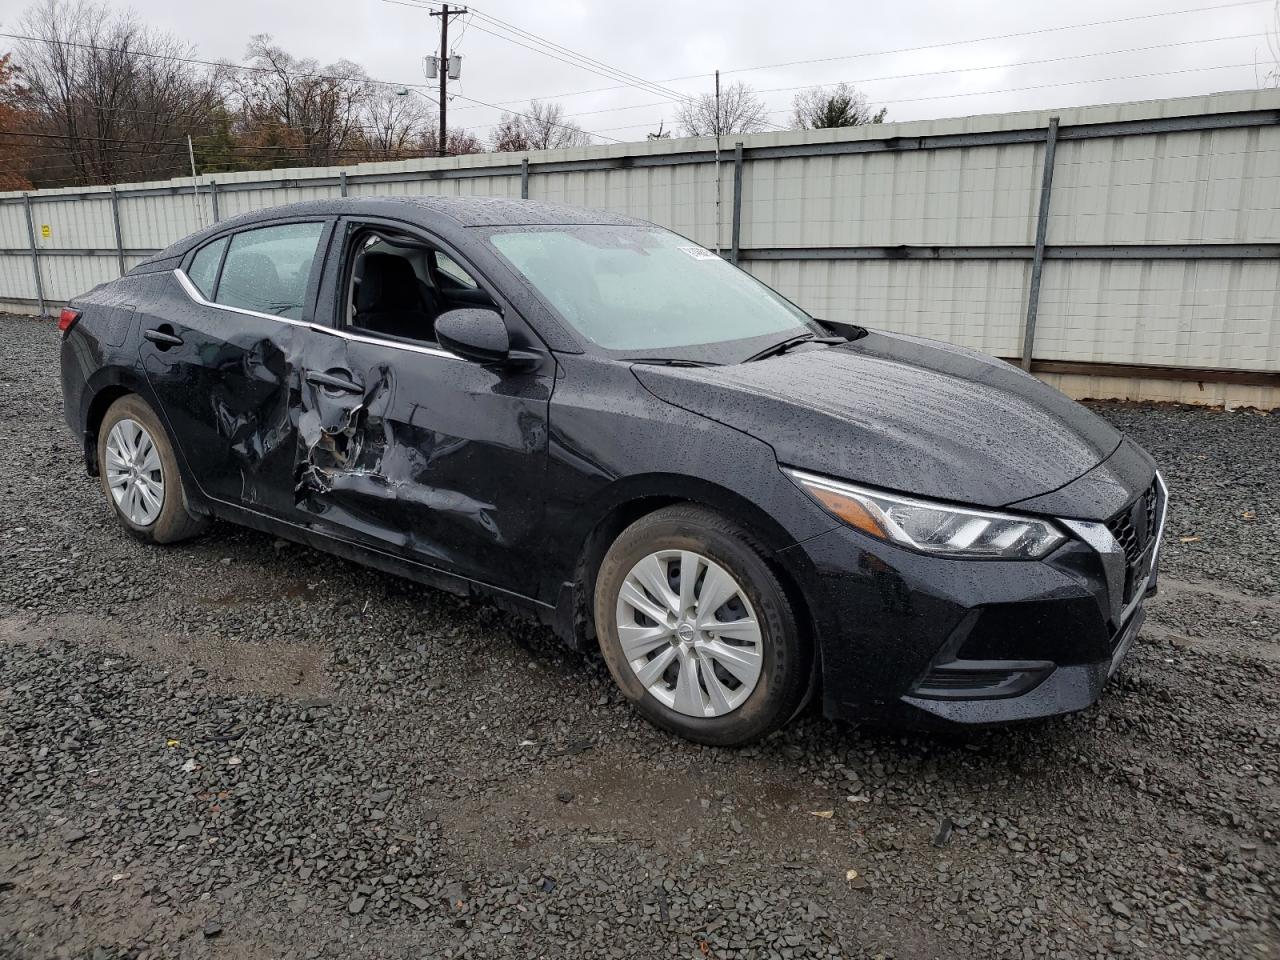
pixel 134 475
pixel 689 633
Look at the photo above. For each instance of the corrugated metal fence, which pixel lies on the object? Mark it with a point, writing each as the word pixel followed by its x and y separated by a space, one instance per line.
pixel 1131 250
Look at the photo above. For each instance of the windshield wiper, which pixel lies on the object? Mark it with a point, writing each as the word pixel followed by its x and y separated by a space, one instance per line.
pixel 781 348
pixel 672 361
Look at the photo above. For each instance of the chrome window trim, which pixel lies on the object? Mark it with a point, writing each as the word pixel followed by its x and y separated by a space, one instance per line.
pixel 196 296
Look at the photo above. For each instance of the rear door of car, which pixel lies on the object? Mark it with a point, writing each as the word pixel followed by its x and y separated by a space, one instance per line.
pixel 410 449
pixel 221 357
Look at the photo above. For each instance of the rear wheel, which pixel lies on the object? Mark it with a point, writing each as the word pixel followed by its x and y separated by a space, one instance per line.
pixel 140 475
pixel 697 630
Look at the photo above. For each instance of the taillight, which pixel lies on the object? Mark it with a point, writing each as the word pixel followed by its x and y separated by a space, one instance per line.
pixel 67 319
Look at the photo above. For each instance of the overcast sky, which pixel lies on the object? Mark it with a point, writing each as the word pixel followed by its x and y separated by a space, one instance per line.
pixel 678 43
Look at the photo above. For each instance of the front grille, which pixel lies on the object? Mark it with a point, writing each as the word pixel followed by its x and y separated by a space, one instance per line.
pixel 1135 529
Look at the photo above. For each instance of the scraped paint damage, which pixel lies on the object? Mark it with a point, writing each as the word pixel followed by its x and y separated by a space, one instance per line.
pixel 350 450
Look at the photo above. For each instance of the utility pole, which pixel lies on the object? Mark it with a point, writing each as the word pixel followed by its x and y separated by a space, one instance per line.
pixel 717 132
pixel 195 184
pixel 444 13
pixel 717 107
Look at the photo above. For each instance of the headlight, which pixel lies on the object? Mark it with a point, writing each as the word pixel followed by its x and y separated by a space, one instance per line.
pixel 931 527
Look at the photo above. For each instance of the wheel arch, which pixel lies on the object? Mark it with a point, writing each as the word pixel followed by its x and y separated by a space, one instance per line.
pixel 110 385
pixel 626 502
pixel 104 389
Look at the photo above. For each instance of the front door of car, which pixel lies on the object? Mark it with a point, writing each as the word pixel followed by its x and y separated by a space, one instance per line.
pixel 221 357
pixel 408 448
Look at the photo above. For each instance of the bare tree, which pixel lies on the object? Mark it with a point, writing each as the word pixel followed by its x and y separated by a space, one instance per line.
pixel 540 126
pixel 818 108
pixel 457 143
pixel 1273 45
pixel 740 111
pixel 306 113
pixel 395 124
pixel 113 95
pixel 660 133
pixel 16 150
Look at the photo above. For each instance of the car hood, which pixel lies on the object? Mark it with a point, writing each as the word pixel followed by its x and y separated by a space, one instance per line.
pixel 901 413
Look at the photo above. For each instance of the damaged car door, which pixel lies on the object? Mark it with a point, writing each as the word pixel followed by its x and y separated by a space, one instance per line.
pixel 222 364
pixel 407 447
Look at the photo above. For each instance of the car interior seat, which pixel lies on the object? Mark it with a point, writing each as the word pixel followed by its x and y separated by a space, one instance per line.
pixel 390 299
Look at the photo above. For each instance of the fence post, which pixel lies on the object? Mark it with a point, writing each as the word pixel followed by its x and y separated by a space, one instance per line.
pixel 342 183
pixel 213 196
pixel 524 179
pixel 736 230
pixel 35 254
pixel 115 219
pixel 1042 229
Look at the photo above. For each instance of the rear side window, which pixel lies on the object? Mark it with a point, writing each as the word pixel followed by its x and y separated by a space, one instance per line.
pixel 266 270
pixel 204 267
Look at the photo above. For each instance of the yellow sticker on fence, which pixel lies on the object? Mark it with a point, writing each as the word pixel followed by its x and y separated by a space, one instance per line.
pixel 46 231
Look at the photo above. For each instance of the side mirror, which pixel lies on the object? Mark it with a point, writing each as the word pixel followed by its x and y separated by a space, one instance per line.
pixel 475 334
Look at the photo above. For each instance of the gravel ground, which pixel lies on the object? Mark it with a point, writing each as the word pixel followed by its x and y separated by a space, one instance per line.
pixel 242 748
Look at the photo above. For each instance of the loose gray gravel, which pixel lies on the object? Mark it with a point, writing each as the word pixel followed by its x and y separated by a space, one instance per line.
pixel 242 748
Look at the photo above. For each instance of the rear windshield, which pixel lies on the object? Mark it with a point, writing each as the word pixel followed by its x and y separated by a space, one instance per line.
pixel 645 289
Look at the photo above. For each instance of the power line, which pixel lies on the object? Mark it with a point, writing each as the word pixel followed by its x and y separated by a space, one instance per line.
pixel 526 116
pixel 584 61
pixel 1022 63
pixel 977 93
pixel 675 95
pixel 553 50
pixel 1041 86
pixel 1003 36
pixel 931 46
pixel 466 22
pixel 262 152
pixel 641 83
pixel 935 73
pixel 220 64
pixel 93 110
pixel 211 63
pixel 1069 83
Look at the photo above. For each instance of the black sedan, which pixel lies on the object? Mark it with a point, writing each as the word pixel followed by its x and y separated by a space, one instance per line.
pixel 600 423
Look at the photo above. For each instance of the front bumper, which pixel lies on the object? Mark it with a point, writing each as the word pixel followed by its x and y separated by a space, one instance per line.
pixel 1060 688
pixel 917 640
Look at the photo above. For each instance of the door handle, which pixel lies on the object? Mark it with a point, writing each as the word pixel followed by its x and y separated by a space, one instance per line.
pixel 331 382
pixel 163 337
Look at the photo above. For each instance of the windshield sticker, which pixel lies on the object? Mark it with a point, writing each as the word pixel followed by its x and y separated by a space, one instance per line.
pixel 700 253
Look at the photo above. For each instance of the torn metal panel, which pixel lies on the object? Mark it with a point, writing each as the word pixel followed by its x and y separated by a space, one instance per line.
pixel 430 458
pixel 225 390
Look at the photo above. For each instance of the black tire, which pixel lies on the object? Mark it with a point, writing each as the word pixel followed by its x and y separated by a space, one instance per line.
pixel 785 674
pixel 175 521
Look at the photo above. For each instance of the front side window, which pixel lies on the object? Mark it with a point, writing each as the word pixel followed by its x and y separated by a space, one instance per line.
pixel 204 267
pixel 645 289
pixel 267 269
pixel 399 284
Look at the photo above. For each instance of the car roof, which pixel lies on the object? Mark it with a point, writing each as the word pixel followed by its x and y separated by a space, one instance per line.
pixel 445 214
pixel 502 211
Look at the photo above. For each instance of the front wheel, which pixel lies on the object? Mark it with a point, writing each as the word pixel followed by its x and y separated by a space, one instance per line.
pixel 140 474
pixel 697 630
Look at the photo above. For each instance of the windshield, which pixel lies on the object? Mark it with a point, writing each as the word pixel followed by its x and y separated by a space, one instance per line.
pixel 646 291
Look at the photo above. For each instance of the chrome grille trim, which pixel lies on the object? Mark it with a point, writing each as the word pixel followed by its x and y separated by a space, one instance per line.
pixel 1123 592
